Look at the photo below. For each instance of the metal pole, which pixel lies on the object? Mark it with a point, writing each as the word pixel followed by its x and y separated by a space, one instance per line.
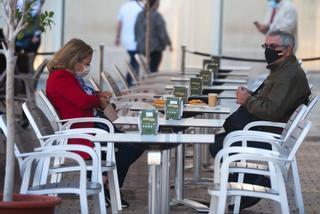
pixel 217 27
pixel 165 181
pixel 180 173
pixel 63 15
pixel 101 62
pixel 183 58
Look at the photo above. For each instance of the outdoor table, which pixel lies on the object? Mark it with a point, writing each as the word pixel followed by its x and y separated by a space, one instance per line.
pixel 222 68
pixel 183 122
pixel 179 187
pixel 214 87
pixel 231 81
pixel 187 108
pixel 158 200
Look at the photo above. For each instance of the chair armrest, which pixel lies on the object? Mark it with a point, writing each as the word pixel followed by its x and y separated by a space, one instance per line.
pixel 248 156
pixel 256 136
pixel 251 132
pixel 264 123
pixel 71 121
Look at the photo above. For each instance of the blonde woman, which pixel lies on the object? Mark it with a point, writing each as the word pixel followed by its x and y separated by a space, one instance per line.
pixel 72 99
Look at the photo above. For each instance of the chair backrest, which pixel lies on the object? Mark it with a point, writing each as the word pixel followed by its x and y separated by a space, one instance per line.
pixel 50 107
pixel 38 73
pixel 293 121
pixel 312 102
pixel 291 145
pixel 122 77
pixel 133 73
pixel 142 63
pixel 94 84
pixel 106 77
pixel 20 145
pixel 38 120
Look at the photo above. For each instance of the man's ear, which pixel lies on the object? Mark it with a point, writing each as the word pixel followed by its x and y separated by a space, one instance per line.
pixel 288 51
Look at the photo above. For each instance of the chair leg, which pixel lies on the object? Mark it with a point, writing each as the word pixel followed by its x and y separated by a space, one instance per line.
pixel 213 204
pixel 96 204
pixel 114 175
pixel 297 187
pixel 99 199
pixel 99 203
pixel 222 203
pixel 83 203
pixel 237 199
pixel 283 199
pixel 113 192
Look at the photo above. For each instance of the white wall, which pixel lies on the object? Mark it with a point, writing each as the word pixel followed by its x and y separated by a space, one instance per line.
pixel 189 22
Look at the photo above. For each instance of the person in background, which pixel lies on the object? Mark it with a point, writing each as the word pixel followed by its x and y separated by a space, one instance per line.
pixel 31 39
pixel 282 92
pixel 72 99
pixel 125 31
pixel 159 35
pixel 282 16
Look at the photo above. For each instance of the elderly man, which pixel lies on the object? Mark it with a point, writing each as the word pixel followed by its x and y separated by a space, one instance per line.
pixel 284 89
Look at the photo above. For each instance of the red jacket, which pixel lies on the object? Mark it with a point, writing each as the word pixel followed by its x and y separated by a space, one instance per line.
pixel 69 99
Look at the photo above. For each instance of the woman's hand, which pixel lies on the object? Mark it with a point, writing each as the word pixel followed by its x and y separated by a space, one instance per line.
pixel 106 94
pixel 104 102
pixel 104 97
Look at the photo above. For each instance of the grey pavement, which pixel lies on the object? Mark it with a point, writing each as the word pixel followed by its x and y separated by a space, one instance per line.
pixel 135 188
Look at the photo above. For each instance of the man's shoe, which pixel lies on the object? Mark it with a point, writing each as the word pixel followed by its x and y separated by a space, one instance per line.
pixel 124 203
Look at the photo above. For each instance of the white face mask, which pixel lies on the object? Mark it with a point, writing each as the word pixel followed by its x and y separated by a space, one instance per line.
pixel 83 73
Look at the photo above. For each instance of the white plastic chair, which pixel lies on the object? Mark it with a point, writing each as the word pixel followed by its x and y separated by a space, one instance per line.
pixel 279 163
pixel 43 129
pixel 111 161
pixel 42 158
pixel 154 86
pixel 296 116
pixel 146 71
pixel 119 96
pixel 83 188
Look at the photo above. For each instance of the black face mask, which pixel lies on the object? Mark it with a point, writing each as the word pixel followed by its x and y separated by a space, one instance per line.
pixel 271 55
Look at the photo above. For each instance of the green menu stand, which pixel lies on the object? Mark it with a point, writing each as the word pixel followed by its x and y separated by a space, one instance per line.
pixel 149 122
pixel 173 108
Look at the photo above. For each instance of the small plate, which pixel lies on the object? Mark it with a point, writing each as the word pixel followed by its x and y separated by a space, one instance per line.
pixel 197 105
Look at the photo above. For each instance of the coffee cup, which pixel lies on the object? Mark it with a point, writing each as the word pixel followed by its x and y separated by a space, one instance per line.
pixel 212 99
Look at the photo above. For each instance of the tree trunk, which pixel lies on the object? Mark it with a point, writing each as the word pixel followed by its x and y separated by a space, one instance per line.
pixel 10 160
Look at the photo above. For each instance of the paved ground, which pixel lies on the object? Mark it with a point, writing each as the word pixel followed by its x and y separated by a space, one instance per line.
pixel 135 188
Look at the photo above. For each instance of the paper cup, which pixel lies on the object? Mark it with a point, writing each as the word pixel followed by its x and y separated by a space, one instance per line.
pixel 212 99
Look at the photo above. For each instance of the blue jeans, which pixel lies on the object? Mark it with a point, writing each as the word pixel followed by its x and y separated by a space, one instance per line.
pixel 134 64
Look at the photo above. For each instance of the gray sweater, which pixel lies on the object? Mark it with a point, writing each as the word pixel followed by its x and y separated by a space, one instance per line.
pixel 159 35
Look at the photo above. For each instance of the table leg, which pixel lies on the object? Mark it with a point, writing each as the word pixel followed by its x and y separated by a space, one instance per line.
pixel 165 171
pixel 154 161
pixel 179 185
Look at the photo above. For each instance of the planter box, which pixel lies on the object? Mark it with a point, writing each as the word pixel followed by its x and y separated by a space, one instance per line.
pixel 35 204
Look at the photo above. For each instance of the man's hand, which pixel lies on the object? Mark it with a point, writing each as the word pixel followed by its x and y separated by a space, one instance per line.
pixel 261 27
pixel 117 41
pixel 242 95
